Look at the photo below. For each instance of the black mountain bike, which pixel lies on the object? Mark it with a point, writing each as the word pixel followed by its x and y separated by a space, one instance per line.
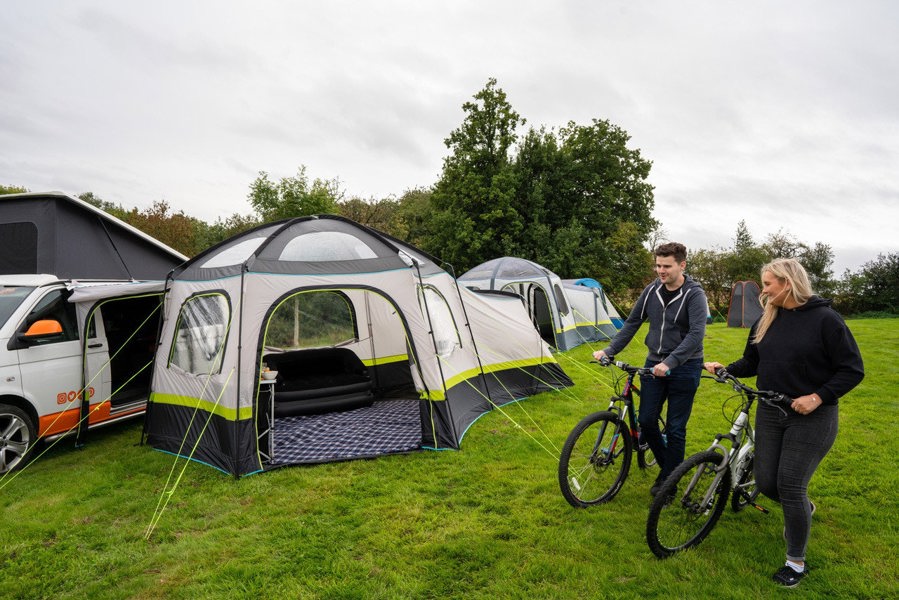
pixel 596 457
pixel 692 498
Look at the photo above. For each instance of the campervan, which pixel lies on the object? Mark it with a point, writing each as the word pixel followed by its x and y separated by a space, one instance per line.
pixel 73 355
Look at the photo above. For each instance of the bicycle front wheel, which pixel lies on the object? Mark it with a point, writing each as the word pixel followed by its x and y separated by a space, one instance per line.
pixel 688 505
pixel 595 460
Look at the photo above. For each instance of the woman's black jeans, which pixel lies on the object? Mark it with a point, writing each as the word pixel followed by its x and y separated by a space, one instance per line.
pixel 788 449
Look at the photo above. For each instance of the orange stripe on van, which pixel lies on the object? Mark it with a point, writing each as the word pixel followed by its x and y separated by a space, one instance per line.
pixel 61 422
pixel 58 422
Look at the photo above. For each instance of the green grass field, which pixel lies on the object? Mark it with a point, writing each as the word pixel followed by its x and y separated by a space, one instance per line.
pixel 485 522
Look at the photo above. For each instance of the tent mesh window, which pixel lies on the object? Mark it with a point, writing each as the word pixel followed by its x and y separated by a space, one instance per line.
pixel 312 319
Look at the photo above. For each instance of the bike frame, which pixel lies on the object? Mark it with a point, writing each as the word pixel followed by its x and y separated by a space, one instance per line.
pixel 627 413
pixel 742 443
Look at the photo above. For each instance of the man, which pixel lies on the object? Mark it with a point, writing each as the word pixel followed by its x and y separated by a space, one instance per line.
pixel 676 308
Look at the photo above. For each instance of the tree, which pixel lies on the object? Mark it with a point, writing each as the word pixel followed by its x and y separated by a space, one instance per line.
pixel 874 288
pixel 746 260
pixel 709 267
pixel 817 260
pixel 111 208
pixel 176 230
pixel 293 196
pixel 207 235
pixel 382 215
pixel 12 189
pixel 605 189
pixel 781 245
pixel 474 213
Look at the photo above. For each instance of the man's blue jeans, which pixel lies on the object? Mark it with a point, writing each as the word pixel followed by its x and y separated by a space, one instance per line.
pixel 678 388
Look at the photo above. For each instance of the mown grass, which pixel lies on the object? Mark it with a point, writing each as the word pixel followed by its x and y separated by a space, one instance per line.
pixel 485 522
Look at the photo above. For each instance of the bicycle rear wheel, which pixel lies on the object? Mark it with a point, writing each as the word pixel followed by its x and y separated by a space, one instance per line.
pixel 688 505
pixel 595 460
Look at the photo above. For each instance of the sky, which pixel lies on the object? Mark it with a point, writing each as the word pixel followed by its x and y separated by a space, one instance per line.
pixel 781 114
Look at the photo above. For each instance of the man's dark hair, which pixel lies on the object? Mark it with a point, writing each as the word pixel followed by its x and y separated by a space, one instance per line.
pixel 678 251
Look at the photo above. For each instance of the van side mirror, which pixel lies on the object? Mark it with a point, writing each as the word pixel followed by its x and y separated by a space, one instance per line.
pixel 43 329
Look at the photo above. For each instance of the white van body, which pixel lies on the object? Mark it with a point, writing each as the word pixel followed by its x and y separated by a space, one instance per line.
pixel 93 339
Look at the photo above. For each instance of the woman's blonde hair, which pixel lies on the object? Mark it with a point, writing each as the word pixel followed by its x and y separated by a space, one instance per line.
pixel 786 270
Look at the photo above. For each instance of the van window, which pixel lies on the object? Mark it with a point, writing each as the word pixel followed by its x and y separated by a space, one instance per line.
pixel 11 296
pixel 55 306
pixel 314 319
pixel 201 331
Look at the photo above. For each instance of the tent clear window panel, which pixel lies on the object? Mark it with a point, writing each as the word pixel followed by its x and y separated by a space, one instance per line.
pixel 234 255
pixel 200 338
pixel 326 246
pixel 560 299
pixel 441 319
pixel 312 320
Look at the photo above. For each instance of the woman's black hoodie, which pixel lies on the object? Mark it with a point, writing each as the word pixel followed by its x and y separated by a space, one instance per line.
pixel 806 350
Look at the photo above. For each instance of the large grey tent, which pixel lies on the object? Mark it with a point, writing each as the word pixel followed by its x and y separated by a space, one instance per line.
pixel 372 349
pixel 565 314
pixel 745 307
pixel 71 239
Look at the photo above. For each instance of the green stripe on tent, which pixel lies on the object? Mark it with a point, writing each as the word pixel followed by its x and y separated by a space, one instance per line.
pixel 229 414
pixel 383 360
pixel 504 366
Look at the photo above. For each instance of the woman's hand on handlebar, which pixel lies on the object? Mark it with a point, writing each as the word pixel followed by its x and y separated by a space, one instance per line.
pixel 712 367
pixel 599 355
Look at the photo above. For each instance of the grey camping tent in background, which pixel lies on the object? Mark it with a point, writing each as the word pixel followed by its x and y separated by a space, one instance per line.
pixel 56 234
pixel 372 349
pixel 565 315
pixel 745 307
pixel 610 309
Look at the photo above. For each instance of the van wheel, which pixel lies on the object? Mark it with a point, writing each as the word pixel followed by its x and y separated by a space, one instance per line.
pixel 17 437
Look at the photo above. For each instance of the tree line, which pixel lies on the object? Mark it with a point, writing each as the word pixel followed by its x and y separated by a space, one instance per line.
pixel 574 199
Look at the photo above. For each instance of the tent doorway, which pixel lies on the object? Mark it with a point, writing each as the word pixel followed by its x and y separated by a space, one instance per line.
pixel 343 385
pixel 537 303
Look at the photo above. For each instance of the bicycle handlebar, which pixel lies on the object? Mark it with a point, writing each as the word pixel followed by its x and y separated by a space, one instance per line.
pixel 631 369
pixel 777 399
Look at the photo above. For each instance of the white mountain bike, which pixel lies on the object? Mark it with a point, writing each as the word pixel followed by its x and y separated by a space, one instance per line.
pixel 692 498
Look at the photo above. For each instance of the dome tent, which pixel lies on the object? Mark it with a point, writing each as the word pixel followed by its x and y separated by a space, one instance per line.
pixel 564 314
pixel 359 325
pixel 745 308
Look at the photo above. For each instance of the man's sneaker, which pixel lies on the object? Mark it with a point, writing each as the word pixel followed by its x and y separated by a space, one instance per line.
pixel 787 577
pixel 656 486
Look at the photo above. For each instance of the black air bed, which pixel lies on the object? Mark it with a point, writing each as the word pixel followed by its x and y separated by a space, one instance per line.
pixel 319 380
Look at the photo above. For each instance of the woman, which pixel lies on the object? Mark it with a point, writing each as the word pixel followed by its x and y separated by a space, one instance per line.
pixel 802 348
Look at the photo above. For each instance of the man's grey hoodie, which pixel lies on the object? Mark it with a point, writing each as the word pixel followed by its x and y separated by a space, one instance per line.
pixel 676 331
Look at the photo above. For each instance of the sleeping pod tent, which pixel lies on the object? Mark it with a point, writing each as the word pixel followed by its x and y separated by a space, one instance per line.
pixel 317 339
pixel 565 315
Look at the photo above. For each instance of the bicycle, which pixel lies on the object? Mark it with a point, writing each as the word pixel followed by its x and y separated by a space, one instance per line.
pixel 691 500
pixel 600 447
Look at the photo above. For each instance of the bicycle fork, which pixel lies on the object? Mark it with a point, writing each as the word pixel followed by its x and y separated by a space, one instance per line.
pixel 737 460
